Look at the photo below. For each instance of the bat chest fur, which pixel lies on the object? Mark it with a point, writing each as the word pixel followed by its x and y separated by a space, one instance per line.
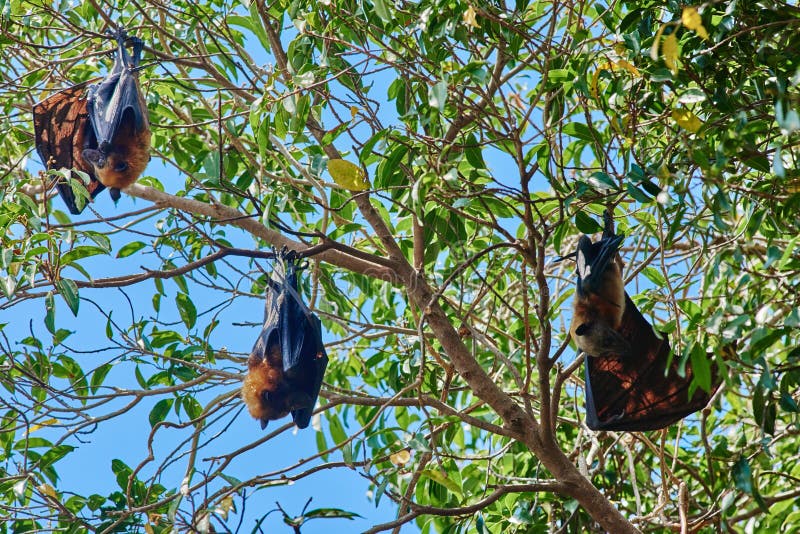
pixel 598 308
pixel 126 159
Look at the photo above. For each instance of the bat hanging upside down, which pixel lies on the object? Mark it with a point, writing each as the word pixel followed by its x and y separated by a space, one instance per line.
pixel 265 391
pixel 632 381
pixel 103 130
pixel 599 302
pixel 288 361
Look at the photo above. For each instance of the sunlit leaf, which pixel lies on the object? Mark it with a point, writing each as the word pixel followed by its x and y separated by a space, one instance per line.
pixel 438 95
pixel 348 175
pixel 130 248
pixel 400 458
pixel 69 292
pixel 469 17
pixel 669 50
pixel 686 119
pixel 186 309
pixel 692 20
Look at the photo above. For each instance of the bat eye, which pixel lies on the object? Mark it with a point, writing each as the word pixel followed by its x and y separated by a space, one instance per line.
pixel 121 166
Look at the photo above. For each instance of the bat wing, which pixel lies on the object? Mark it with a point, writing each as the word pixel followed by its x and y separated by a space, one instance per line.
pixel 639 392
pixel 116 100
pixel 61 127
pixel 299 332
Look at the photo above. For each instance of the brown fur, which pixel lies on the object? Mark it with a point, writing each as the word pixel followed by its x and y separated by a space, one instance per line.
pixel 601 313
pixel 264 375
pixel 127 157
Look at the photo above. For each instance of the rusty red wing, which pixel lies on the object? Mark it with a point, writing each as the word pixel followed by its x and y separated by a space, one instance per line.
pixel 638 392
pixel 62 129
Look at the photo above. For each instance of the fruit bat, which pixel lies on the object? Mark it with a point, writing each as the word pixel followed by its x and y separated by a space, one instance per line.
pixel 599 303
pixel 632 382
pixel 101 129
pixel 288 360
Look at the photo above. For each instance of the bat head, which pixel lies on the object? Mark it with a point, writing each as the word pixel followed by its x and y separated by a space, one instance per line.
pixel 118 164
pixel 278 404
pixel 597 339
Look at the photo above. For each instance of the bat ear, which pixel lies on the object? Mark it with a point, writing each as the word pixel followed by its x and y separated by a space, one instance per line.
pixel 95 157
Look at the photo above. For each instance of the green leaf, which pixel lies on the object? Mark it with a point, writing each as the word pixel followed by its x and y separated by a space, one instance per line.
pixel 480 525
pixel 130 248
pixel 160 411
pixel 655 276
pixel 382 10
pixel 337 431
pixel 186 309
pixel 788 403
pixel 743 475
pixel 98 376
pixel 578 130
pixel 601 180
pixel 192 408
pixel 558 76
pixel 81 252
pixel 701 368
pixel 586 224
pixel 443 479
pixel 50 315
pixel 331 513
pixel 347 453
pixel 438 95
pixel 69 292
pixel 380 490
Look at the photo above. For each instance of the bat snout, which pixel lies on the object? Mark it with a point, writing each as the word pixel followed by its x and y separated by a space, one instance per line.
pixel 96 157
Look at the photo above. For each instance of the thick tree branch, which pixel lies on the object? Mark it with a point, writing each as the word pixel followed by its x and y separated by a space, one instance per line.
pixel 228 216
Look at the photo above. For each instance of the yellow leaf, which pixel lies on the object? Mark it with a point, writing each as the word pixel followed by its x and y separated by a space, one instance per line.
pixel 48 490
pixel 686 119
pixel 670 52
pixel 354 111
pixel 626 65
pixel 692 20
pixel 224 506
pixel 348 175
pixel 619 65
pixel 46 422
pixel 656 42
pixel 442 478
pixel 469 17
pixel 663 171
pixel 400 458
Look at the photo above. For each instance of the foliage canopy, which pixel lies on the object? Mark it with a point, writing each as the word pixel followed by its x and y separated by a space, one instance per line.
pixel 445 152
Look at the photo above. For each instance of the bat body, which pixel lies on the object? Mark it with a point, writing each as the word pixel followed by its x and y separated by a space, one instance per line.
pixel 646 390
pixel 288 360
pixel 118 116
pixel 632 382
pixel 599 302
pixel 265 391
pixel 100 129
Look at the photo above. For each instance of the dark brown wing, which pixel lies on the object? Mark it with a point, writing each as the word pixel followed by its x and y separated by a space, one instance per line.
pixel 62 129
pixel 635 393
